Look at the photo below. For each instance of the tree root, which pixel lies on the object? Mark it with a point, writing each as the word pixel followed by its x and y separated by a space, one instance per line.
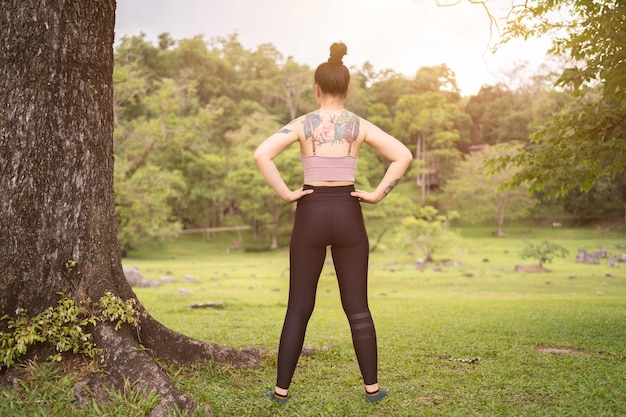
pixel 177 348
pixel 130 356
pixel 125 358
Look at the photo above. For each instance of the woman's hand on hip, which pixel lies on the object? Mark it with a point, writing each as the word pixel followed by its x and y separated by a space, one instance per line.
pixel 296 195
pixel 366 197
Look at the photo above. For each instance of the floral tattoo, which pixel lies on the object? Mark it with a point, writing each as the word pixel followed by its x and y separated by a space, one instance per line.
pixel 331 129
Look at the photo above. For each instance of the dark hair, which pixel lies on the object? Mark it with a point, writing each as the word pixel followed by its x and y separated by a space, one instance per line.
pixel 333 77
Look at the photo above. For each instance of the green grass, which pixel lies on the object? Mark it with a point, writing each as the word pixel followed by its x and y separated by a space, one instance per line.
pixel 475 339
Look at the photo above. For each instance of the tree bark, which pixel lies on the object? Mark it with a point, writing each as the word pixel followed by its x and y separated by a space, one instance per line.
pixel 57 220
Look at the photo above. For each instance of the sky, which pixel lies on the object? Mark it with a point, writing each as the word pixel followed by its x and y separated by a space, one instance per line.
pixel 402 35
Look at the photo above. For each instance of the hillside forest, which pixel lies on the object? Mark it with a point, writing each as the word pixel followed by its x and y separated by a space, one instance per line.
pixel 190 112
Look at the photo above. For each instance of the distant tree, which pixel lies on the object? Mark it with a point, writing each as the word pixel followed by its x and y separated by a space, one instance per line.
pixel 192 60
pixel 143 212
pixel 150 159
pixel 359 100
pixel 130 87
pixel 544 106
pixel 262 80
pixel 259 205
pixel 138 50
pixel 259 208
pixel 439 78
pixel 428 232
pixel 381 116
pixel 543 252
pixel 389 87
pixel 499 115
pixel 297 82
pixel 204 196
pixel 426 123
pixel 479 196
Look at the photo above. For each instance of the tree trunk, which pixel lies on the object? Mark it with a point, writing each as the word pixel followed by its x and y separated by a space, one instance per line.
pixel 56 183
pixel 501 207
pixel 422 174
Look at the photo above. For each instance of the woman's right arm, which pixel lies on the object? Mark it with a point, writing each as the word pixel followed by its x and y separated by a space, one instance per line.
pixel 264 159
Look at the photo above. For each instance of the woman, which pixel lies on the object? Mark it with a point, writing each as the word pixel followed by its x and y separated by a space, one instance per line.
pixel 329 214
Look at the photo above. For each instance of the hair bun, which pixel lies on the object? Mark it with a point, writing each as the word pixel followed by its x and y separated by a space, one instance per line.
pixel 337 52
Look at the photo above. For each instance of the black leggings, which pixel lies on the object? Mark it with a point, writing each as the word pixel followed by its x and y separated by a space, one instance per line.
pixel 328 216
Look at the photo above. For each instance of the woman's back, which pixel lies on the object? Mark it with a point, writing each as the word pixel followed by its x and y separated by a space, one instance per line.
pixel 330 134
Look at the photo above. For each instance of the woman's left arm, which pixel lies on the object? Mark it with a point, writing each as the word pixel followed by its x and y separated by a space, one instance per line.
pixel 392 149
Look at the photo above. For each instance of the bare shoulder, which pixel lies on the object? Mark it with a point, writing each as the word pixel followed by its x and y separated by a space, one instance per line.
pixel 372 132
pixel 292 126
pixel 392 148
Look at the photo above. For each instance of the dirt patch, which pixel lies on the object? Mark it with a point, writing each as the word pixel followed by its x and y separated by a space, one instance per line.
pixel 557 350
pixel 429 400
pixel 530 268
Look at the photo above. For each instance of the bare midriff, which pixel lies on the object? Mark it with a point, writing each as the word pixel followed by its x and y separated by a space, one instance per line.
pixel 329 183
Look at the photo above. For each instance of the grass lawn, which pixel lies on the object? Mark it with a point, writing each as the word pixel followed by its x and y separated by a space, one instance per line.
pixel 471 338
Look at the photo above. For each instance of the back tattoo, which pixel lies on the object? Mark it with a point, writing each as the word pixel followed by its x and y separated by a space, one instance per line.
pixel 334 129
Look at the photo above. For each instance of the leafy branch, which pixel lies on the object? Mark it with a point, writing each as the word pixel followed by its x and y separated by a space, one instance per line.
pixel 65 326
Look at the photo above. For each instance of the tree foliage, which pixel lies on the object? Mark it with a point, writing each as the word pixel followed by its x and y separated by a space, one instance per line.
pixel 543 252
pixel 499 115
pixel 189 112
pixel 428 232
pixel 479 195
pixel 427 123
pixel 605 199
pixel 586 139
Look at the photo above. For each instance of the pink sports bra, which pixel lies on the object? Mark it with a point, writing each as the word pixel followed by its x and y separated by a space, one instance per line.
pixel 328 168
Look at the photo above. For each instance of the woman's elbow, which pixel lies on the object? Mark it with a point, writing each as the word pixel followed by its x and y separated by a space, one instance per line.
pixel 407 157
pixel 258 156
